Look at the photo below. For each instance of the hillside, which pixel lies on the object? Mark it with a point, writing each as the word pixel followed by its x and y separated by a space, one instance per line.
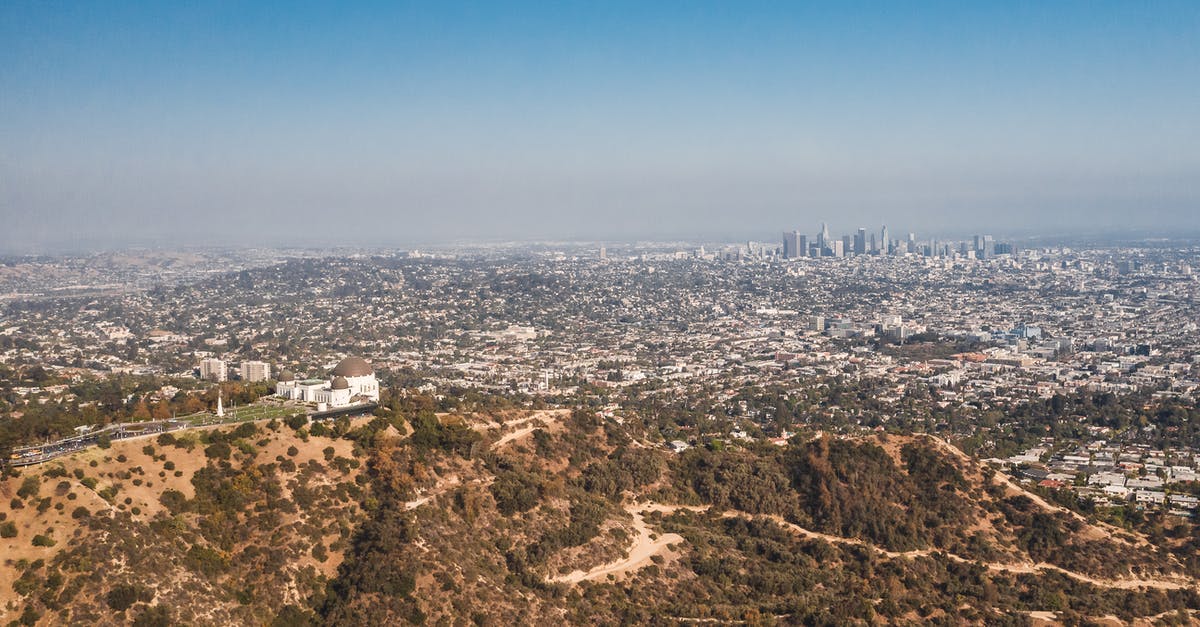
pixel 558 517
pixel 208 527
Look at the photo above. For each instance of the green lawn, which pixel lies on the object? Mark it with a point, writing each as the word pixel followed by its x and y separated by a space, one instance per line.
pixel 243 414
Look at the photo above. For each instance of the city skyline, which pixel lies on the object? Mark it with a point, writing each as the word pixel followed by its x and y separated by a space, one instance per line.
pixel 402 124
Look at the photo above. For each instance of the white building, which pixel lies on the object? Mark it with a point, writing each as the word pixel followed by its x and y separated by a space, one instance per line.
pixel 256 371
pixel 213 370
pixel 351 381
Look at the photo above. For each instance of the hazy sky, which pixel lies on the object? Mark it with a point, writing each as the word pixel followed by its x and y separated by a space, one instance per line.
pixel 393 123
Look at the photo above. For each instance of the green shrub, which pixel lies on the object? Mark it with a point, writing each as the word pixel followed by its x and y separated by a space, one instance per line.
pixel 174 500
pixel 157 616
pixel 218 450
pixel 29 487
pixel 8 529
pixel 205 560
pixel 43 540
pixel 122 597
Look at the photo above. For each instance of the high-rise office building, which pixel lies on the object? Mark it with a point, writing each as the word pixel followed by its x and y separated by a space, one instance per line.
pixel 860 242
pixel 985 247
pixel 791 244
pixel 885 245
pixel 823 239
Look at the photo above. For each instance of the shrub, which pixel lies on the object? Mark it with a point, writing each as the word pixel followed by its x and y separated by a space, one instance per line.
pixel 293 451
pixel 29 616
pixel 157 616
pixel 516 491
pixel 174 500
pixel 244 430
pixel 218 450
pixel 80 512
pixel 169 466
pixel 29 487
pixel 8 529
pixel 122 597
pixel 206 560
pixel 43 540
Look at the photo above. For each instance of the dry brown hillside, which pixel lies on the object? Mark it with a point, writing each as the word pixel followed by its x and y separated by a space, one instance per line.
pixel 220 526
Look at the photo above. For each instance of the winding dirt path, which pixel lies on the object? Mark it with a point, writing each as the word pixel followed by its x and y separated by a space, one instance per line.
pixel 548 415
pixel 1130 583
pixel 644 547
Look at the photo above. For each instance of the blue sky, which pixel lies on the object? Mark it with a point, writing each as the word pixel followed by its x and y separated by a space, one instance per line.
pixel 397 123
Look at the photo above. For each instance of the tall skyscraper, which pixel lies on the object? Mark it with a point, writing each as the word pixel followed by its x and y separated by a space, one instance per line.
pixel 860 242
pixel 804 246
pixel 985 247
pixel 885 245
